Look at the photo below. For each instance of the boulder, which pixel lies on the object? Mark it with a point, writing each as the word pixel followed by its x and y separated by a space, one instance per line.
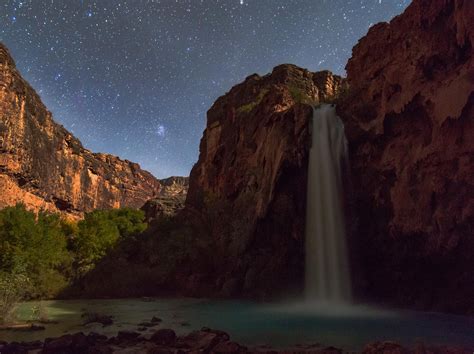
pixel 165 337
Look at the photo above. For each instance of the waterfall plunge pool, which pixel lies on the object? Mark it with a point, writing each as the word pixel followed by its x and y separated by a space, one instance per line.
pixel 326 317
pixel 252 324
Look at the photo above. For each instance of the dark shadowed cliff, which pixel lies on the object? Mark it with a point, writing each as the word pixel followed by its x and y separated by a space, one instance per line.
pixel 249 185
pixel 46 167
pixel 410 121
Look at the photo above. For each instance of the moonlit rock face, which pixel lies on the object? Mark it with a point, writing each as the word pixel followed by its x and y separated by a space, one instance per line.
pixel 327 266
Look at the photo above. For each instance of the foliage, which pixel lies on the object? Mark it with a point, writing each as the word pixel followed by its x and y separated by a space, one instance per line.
pixel 299 95
pixel 247 108
pixel 175 243
pixel 100 231
pixel 34 243
pixel 51 251
pixel 39 313
pixel 12 290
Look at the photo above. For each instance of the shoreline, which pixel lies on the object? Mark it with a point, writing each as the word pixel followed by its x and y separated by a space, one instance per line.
pixel 205 340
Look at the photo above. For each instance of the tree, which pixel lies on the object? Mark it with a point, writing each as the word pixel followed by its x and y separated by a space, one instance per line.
pixel 100 231
pixel 35 244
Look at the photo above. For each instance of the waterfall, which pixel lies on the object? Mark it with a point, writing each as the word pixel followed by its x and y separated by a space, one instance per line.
pixel 327 264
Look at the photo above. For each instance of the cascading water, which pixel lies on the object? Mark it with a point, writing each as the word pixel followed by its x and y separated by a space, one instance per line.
pixel 327 265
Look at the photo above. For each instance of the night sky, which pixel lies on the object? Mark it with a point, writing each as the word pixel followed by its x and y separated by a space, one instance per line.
pixel 135 78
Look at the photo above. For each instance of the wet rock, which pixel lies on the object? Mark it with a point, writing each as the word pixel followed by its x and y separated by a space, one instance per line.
pixel 69 343
pixel 155 319
pixel 221 334
pixel 127 335
pixel 147 324
pixel 13 348
pixel 203 340
pixel 164 337
pixel 384 348
pixel 96 337
pixel 229 347
pixel 92 317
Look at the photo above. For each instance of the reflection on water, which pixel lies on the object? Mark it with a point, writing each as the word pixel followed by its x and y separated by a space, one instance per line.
pixel 254 324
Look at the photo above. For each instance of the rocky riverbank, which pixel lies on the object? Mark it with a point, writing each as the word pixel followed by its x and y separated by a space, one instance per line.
pixel 205 340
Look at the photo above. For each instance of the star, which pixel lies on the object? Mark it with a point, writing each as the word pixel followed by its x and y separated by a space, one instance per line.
pixel 107 68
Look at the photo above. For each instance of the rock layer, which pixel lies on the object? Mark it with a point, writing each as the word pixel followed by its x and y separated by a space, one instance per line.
pixel 409 117
pixel 170 200
pixel 249 184
pixel 45 167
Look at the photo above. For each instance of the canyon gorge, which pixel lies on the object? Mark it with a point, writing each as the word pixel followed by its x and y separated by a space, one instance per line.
pixel 236 227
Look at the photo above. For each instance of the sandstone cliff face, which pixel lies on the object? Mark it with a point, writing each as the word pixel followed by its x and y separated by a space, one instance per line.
pixel 45 167
pixel 410 123
pixel 249 185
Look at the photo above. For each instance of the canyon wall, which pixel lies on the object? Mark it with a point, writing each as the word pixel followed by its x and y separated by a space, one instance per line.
pixel 409 118
pixel 45 167
pixel 249 184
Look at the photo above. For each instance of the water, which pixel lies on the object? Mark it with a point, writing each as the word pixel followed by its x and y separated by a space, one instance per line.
pixel 327 266
pixel 252 324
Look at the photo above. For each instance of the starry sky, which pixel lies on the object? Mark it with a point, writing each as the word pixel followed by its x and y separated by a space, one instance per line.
pixel 135 78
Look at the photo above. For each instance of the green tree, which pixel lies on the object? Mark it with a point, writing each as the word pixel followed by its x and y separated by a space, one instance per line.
pixel 100 231
pixel 35 244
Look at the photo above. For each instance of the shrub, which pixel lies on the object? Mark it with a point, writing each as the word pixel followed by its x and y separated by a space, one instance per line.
pixel 299 95
pixel 247 108
pixel 12 290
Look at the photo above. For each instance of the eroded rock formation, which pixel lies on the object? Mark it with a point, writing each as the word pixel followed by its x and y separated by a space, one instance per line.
pixel 170 199
pixel 409 118
pixel 45 167
pixel 249 185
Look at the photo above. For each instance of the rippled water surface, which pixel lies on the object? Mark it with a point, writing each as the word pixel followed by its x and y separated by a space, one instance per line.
pixel 251 324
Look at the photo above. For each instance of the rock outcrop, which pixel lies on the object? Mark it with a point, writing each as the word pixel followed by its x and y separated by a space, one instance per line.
pixel 409 117
pixel 45 167
pixel 170 199
pixel 175 186
pixel 249 184
pixel 205 340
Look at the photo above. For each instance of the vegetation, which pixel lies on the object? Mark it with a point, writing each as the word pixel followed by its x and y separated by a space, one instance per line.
pixel 12 290
pixel 36 245
pixel 299 95
pixel 247 108
pixel 99 232
pixel 41 254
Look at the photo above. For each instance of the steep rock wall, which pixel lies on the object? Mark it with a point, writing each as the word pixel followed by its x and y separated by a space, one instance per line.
pixel 46 167
pixel 409 117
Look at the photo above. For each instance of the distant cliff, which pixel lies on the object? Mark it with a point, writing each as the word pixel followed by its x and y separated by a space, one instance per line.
pixel 46 167
pixel 409 118
pixel 170 199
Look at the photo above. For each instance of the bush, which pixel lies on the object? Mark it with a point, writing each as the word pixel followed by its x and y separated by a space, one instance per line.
pixel 12 290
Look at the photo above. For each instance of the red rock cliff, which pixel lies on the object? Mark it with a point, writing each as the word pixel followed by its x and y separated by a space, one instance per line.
pixel 250 180
pixel 44 166
pixel 410 121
